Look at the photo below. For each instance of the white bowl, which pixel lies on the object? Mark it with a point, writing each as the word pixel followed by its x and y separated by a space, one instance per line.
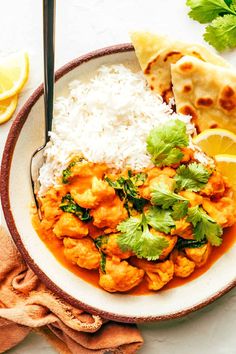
pixel 27 134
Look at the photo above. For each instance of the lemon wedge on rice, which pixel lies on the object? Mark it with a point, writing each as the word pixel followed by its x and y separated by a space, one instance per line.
pixel 14 71
pixel 216 141
pixel 7 108
pixel 227 165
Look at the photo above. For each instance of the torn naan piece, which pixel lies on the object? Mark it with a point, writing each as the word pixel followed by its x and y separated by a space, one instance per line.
pixel 156 54
pixel 205 91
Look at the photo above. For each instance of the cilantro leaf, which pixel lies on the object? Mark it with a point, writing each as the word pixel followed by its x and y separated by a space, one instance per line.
pixel 204 226
pixel 100 241
pixel 192 177
pixel 164 143
pixel 182 243
pixel 160 220
pixel 127 189
pixel 180 210
pixel 204 11
pixel 163 197
pixel 149 246
pixel 68 205
pixel 67 172
pixel 103 262
pixel 221 33
pixel 135 236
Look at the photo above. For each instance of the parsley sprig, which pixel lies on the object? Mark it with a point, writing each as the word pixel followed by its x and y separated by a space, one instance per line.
pixel 164 143
pixel 221 14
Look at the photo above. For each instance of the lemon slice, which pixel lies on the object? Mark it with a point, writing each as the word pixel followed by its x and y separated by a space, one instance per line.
pixel 14 71
pixel 216 141
pixel 7 108
pixel 227 165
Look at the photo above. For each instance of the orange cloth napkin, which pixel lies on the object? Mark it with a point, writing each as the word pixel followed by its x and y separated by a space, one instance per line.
pixel 26 304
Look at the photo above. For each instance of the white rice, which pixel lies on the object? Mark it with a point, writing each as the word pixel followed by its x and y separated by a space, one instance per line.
pixel 106 120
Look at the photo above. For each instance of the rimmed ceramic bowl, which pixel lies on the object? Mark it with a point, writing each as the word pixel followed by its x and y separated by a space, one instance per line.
pixel 25 136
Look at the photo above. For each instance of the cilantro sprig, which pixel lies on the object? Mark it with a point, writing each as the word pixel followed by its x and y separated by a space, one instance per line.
pixel 182 243
pixel 221 14
pixel 164 143
pixel 204 226
pixel 68 205
pixel 136 236
pixel 127 189
pixel 161 220
pixel 163 197
pixel 66 173
pixel 192 177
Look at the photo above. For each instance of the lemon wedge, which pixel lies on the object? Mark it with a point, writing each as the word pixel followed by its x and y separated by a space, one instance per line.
pixel 14 72
pixel 7 108
pixel 227 165
pixel 216 141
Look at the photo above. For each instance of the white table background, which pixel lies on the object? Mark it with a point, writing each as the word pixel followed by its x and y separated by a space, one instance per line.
pixel 82 26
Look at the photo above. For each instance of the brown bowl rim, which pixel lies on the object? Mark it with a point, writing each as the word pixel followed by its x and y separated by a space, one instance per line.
pixel 4 191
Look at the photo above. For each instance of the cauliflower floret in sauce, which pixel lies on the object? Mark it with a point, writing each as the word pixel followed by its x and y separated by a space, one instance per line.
pixel 111 248
pixel 171 243
pixel 109 214
pixel 216 185
pixel 82 252
pixel 156 176
pixel 222 211
pixel 70 225
pixel 183 267
pixel 193 198
pixel 100 191
pixel 120 275
pixel 199 255
pixel 183 229
pixel 158 274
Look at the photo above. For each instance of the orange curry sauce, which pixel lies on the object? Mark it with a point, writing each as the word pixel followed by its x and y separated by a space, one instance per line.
pixel 55 245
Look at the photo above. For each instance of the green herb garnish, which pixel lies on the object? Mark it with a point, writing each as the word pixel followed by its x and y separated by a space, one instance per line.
pixel 221 33
pixel 164 143
pixel 100 241
pixel 163 197
pixel 192 177
pixel 127 189
pixel 67 172
pixel 103 262
pixel 135 236
pixel 68 205
pixel 182 243
pixel 161 220
pixel 204 226
pixel 180 210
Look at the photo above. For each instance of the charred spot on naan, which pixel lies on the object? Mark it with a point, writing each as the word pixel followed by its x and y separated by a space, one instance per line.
pixel 204 102
pixel 186 67
pixel 227 98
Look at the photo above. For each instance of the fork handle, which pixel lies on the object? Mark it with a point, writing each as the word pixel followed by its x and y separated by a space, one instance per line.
pixel 49 7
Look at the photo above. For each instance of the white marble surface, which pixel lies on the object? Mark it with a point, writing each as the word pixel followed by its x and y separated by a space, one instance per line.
pixel 81 27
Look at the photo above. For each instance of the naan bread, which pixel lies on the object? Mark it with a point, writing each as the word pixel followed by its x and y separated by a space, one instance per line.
pixel 156 54
pixel 205 91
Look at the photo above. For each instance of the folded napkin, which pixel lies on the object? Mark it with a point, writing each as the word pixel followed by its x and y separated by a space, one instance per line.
pixel 26 305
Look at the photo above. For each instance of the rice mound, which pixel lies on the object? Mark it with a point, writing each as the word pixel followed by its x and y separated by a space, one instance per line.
pixel 106 120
